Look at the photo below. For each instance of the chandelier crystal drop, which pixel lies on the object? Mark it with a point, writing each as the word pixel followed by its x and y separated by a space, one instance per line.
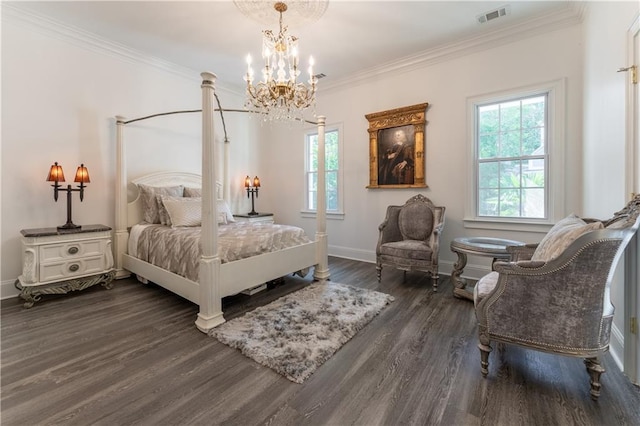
pixel 279 96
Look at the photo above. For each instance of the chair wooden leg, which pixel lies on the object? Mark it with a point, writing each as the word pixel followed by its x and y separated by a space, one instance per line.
pixel 595 371
pixel 379 271
pixel 485 349
pixel 434 278
pixel 484 359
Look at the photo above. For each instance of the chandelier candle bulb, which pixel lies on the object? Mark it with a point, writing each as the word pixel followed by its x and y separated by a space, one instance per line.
pixel 249 76
pixel 279 96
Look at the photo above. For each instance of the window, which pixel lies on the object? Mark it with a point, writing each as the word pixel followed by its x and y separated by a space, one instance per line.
pixel 515 172
pixel 332 169
pixel 512 158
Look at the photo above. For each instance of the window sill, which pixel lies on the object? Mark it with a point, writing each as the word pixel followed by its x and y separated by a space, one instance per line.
pixel 330 215
pixel 503 225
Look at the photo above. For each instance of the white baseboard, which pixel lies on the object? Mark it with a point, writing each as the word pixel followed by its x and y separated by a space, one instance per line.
pixel 368 256
pixel 8 289
pixel 616 346
pixel 471 270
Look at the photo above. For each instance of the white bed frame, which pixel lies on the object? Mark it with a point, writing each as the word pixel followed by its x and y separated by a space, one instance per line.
pixel 216 280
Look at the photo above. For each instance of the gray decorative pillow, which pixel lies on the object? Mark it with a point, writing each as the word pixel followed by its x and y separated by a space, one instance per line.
pixel 165 219
pixel 561 235
pixel 192 192
pixel 150 202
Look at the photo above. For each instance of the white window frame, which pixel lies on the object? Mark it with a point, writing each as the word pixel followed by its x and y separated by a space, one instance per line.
pixel 554 184
pixel 333 214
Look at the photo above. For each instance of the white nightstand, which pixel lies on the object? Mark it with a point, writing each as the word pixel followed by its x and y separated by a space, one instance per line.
pixel 57 261
pixel 259 217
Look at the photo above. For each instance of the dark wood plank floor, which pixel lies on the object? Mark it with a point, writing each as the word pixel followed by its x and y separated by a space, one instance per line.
pixel 132 355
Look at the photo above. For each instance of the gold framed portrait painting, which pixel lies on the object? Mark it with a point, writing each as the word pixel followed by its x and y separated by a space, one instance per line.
pixel 396 147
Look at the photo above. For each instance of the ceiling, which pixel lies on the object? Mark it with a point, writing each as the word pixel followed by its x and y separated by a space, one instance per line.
pixel 352 38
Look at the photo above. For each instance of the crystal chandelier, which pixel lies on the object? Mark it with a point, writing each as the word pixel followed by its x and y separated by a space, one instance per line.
pixel 279 96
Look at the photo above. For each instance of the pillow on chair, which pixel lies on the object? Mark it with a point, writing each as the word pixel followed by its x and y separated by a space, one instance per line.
pixel 561 235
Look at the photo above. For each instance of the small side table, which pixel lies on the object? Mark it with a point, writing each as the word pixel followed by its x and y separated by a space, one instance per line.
pixel 495 248
pixel 260 217
pixel 57 261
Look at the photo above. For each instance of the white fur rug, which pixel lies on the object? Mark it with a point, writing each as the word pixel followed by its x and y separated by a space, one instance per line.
pixel 297 333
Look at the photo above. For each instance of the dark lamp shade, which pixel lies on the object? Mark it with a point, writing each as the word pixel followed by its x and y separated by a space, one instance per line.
pixel 256 182
pixel 82 175
pixel 247 182
pixel 55 173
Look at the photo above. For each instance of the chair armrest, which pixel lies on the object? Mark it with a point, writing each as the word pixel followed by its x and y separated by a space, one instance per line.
pixel 531 298
pixel 389 229
pixel 510 267
pixel 434 238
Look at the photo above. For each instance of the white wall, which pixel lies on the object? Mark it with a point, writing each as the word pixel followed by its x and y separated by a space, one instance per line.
pixel 60 94
pixel 59 97
pixel 446 86
pixel 605 46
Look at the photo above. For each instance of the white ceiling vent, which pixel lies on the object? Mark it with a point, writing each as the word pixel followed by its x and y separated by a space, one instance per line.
pixel 494 14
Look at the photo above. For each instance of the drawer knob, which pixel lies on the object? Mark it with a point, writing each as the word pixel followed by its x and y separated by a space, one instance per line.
pixel 73 250
pixel 74 267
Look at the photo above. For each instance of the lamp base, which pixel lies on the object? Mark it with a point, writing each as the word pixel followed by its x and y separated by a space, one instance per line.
pixel 69 225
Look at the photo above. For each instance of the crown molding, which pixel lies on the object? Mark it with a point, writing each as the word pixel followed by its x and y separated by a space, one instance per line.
pixel 572 14
pixel 77 37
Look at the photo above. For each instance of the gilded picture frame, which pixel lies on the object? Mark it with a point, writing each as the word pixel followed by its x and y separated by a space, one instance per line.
pixel 396 147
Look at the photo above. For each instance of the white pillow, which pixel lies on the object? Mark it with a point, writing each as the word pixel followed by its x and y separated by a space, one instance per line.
pixel 222 218
pixel 222 204
pixel 223 207
pixel 561 235
pixel 186 211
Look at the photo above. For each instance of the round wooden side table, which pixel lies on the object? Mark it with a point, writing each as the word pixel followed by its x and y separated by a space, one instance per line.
pixel 495 248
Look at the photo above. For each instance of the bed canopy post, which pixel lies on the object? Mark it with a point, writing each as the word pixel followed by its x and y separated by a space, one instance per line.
pixel 321 271
pixel 226 191
pixel 121 233
pixel 210 314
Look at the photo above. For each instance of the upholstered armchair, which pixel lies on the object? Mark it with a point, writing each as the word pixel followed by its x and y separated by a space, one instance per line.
pixel 554 296
pixel 409 238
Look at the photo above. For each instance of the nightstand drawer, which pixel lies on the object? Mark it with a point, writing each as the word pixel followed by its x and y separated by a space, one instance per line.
pixel 77 249
pixel 60 260
pixel 71 268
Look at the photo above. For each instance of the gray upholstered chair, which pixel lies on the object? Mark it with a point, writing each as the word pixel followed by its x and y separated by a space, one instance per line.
pixel 409 237
pixel 554 296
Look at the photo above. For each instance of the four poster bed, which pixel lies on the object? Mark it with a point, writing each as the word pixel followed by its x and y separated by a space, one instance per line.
pixel 216 277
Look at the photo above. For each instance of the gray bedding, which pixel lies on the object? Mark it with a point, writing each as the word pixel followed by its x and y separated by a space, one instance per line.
pixel 178 250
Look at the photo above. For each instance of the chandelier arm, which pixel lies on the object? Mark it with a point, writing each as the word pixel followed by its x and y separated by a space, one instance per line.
pixel 279 96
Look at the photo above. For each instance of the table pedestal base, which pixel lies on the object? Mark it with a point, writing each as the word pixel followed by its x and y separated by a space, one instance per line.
pixel 489 247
